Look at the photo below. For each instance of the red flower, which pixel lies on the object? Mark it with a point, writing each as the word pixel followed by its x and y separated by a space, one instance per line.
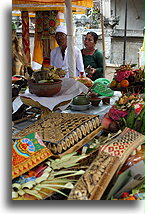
pixel 138 107
pixel 125 195
pixel 39 20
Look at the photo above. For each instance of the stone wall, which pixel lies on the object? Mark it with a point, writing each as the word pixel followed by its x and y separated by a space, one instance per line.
pixel 132 48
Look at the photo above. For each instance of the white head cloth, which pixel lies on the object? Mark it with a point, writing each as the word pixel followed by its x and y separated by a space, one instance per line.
pixel 62 29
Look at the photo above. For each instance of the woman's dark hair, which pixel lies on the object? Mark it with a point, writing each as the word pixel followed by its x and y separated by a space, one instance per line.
pixel 95 36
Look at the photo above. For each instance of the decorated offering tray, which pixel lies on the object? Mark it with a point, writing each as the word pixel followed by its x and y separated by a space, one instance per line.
pixel 136 87
pixel 64 133
pixel 126 78
pixel 128 111
pixel 111 157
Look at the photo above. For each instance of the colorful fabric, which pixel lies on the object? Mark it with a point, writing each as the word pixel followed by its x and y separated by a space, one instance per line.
pixel 25 34
pixel 27 153
pixel 39 22
pixel 38 49
pixel 28 5
pixel 46 24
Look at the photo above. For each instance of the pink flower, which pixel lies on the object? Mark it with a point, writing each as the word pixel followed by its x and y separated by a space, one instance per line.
pixel 121 75
pixel 116 114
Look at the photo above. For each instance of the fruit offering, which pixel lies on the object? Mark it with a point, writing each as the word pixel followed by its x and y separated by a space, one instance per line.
pixel 126 76
pixel 85 80
pixel 128 111
pixel 127 196
pixel 46 75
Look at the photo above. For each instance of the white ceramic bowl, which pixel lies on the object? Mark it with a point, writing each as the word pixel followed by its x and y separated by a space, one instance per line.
pixel 80 107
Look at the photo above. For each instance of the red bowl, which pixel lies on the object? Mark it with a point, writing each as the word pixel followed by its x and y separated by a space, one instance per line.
pixel 95 101
pixel 106 100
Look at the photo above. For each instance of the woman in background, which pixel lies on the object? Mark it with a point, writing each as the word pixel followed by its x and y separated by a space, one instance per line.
pixel 92 58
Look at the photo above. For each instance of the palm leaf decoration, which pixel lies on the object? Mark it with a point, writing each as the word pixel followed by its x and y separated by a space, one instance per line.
pixel 55 177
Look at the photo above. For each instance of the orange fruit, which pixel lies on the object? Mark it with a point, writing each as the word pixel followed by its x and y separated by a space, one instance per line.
pixel 124 83
pixel 118 85
pixel 113 83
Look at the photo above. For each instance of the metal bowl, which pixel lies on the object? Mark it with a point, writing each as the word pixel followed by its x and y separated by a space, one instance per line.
pixel 44 89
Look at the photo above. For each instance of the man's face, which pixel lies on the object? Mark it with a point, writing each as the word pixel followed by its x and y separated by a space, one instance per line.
pixel 61 38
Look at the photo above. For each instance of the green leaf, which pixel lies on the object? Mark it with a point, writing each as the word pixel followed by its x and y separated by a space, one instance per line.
pixel 52 185
pixel 64 172
pixel 133 65
pixel 56 190
pixel 80 172
pixel 58 181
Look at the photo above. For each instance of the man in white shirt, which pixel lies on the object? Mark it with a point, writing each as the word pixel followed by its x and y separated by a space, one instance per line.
pixel 58 56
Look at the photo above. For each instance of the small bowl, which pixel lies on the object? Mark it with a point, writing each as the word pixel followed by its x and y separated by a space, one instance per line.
pixel 80 107
pixel 45 89
pixel 106 100
pixel 81 100
pixel 95 101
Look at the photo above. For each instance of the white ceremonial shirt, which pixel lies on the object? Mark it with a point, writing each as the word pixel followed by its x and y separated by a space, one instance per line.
pixel 57 60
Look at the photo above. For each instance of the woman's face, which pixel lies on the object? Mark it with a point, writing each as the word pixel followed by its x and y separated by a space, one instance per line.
pixel 61 39
pixel 89 41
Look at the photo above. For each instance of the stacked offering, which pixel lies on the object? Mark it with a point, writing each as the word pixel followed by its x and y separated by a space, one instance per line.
pixel 128 111
pixel 127 78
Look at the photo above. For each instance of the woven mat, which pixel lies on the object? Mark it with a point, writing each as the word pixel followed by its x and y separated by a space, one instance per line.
pixel 112 156
pixel 64 133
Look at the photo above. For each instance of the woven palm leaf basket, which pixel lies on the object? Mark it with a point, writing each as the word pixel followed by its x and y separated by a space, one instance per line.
pixel 64 133
pixel 110 159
